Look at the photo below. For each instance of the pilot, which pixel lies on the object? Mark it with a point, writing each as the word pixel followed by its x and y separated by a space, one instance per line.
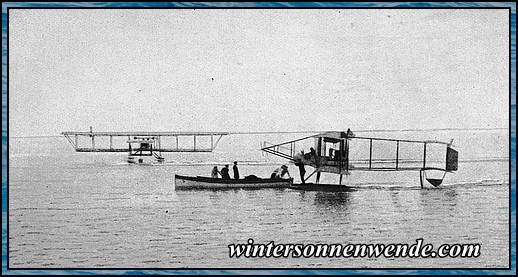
pixel 350 133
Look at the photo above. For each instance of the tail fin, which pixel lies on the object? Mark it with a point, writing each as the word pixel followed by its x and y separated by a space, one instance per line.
pixel 452 159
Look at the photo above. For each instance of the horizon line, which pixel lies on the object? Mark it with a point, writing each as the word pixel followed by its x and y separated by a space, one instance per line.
pixel 302 132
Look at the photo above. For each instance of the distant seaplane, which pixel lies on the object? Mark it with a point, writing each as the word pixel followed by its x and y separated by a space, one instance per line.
pixel 142 144
pixel 332 152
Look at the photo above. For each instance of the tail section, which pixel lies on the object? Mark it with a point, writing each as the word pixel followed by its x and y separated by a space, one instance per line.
pixel 452 159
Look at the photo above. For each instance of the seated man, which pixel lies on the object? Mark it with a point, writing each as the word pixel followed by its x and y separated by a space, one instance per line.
pixel 284 172
pixel 215 172
pixel 280 173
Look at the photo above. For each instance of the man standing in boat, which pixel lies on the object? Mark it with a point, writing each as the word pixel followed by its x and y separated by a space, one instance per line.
pixel 302 170
pixel 236 171
pixel 224 172
pixel 299 162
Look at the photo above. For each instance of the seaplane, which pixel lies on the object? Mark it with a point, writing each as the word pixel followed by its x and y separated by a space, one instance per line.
pixel 143 144
pixel 342 152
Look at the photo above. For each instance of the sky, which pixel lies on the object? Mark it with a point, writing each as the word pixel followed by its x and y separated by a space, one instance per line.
pixel 252 70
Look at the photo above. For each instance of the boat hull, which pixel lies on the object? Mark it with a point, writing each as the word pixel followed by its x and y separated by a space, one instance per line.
pixel 196 183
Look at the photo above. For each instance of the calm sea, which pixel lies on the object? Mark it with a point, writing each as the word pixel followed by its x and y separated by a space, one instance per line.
pixel 86 210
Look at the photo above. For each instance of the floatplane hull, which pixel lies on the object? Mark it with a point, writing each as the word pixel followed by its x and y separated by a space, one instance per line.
pixel 320 187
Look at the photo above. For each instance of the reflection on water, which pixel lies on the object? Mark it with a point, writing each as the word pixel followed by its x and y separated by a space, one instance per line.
pixel 438 200
pixel 332 200
pixel 395 199
pixel 333 205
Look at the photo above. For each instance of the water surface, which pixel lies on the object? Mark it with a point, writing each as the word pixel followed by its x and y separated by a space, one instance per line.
pixel 69 209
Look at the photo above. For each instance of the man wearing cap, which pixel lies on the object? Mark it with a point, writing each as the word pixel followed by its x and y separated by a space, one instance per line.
pixel 280 173
pixel 284 172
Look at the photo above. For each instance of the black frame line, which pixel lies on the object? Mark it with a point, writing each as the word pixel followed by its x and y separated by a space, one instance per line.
pixel 268 269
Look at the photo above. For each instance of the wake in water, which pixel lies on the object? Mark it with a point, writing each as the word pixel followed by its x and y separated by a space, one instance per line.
pixel 403 186
pixel 259 163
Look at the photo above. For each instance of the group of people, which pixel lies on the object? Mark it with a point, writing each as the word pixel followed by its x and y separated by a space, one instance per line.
pixel 279 173
pixel 224 173
pixel 282 172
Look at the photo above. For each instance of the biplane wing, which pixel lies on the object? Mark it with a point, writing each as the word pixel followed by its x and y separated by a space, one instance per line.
pixel 144 143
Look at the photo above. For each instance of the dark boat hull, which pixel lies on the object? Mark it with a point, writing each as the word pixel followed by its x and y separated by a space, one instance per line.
pixel 193 183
